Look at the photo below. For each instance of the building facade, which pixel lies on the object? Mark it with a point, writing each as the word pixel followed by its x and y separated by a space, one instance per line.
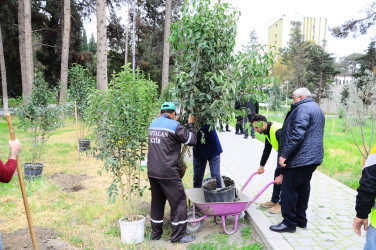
pixel 313 29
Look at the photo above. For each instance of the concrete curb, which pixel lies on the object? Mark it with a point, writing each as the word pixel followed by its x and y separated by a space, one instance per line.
pixel 271 240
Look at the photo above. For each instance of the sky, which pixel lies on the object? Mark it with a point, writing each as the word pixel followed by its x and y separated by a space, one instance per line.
pixel 259 15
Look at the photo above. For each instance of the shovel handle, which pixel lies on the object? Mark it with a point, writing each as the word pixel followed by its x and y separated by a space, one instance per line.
pixel 23 191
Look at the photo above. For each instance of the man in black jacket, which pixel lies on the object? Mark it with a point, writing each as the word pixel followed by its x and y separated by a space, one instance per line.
pixel 301 150
pixel 366 201
pixel 251 107
pixel 165 138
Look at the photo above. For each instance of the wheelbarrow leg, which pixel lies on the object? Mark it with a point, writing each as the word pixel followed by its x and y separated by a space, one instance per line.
pixel 235 226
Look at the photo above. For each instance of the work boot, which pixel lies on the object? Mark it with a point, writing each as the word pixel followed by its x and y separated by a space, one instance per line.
pixel 187 239
pixel 268 204
pixel 276 209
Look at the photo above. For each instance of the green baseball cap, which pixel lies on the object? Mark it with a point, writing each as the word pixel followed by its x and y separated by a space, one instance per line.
pixel 168 105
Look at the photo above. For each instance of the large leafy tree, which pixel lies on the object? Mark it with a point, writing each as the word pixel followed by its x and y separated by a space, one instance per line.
pixel 295 57
pixel 367 61
pixel 321 71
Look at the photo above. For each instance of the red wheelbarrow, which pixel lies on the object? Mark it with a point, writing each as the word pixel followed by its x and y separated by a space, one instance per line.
pixel 218 209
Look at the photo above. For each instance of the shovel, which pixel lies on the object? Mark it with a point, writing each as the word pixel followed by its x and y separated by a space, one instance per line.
pixel 23 191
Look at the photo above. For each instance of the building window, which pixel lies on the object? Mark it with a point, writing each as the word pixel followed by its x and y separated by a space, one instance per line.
pixel 275 42
pixel 275 35
pixel 313 37
pixel 292 23
pixel 276 25
pixel 313 28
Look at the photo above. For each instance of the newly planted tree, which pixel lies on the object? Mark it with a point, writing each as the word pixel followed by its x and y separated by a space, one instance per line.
pixel 120 117
pixel 40 117
pixel 203 41
pixel 208 77
pixel 80 85
pixel 361 104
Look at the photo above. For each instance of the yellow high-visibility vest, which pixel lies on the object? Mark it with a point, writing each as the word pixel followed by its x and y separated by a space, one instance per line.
pixel 273 139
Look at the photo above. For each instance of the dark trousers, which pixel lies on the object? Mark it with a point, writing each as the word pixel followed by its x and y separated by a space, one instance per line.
pixel 221 126
pixel 249 119
pixel 295 194
pixel 199 167
pixel 173 191
pixel 239 124
pixel 276 188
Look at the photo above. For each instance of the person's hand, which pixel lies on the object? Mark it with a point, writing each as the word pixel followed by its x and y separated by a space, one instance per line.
pixel 279 179
pixel 358 225
pixel 191 119
pixel 282 161
pixel 15 148
pixel 261 170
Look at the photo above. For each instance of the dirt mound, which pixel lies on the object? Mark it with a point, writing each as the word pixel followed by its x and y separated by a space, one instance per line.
pixel 21 239
pixel 69 182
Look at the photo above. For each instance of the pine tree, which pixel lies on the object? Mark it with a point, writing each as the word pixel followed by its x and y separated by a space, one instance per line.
pixel 92 46
pixel 84 45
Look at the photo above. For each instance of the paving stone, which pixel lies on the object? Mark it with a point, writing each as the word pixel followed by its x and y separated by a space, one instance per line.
pixel 329 199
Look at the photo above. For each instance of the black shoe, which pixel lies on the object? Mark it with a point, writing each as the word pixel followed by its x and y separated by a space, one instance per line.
pixel 156 238
pixel 238 133
pixel 281 228
pixel 253 137
pixel 187 239
pixel 245 137
pixel 302 225
pixel 228 130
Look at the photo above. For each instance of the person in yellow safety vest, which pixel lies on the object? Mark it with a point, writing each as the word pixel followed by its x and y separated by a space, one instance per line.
pixel 366 201
pixel 271 130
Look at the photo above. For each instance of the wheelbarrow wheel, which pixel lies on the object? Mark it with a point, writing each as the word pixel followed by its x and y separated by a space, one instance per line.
pixel 194 227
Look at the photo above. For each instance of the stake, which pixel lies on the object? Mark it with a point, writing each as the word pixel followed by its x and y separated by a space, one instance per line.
pixel 347 123
pixel 267 111
pixel 21 180
pixel 78 138
pixel 364 153
pixel 333 127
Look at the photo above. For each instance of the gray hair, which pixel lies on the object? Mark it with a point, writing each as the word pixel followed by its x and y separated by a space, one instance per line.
pixel 302 92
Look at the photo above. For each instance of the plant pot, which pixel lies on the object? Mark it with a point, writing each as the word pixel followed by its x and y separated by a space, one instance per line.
pixel 33 170
pixel 132 232
pixel 83 144
pixel 225 194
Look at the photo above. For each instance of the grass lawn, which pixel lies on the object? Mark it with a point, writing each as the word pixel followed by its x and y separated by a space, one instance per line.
pixel 84 218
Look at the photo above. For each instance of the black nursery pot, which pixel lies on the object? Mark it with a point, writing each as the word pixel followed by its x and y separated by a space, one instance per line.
pixel 225 194
pixel 83 144
pixel 33 170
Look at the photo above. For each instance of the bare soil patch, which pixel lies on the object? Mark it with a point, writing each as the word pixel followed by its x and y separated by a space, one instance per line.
pixel 46 239
pixel 210 232
pixel 69 182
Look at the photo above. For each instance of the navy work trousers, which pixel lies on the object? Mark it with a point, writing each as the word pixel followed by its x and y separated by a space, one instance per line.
pixel 295 194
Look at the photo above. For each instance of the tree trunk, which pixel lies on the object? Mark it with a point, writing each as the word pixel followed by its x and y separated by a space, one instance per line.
pixel 166 45
pixel 65 51
pixel 101 45
pixel 3 75
pixel 29 66
pixel 21 38
pixel 127 26
pixel 134 37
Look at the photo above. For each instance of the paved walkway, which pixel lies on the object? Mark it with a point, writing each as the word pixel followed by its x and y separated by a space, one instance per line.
pixel 330 210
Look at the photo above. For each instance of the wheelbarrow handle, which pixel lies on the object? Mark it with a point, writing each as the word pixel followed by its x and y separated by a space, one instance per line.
pixel 258 195
pixel 249 179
